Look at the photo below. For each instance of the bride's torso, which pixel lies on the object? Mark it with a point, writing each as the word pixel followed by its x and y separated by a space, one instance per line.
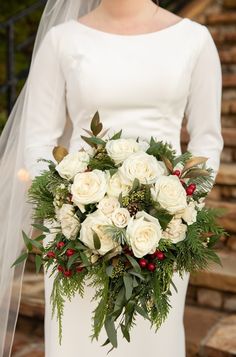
pixel 139 83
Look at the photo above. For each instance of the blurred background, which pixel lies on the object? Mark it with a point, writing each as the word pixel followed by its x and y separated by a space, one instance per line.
pixel 210 312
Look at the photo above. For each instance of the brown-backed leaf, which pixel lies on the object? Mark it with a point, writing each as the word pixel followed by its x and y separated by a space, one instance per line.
pixel 196 160
pixel 196 173
pixel 103 133
pixel 167 163
pixel 59 152
pixel 88 132
pixel 96 125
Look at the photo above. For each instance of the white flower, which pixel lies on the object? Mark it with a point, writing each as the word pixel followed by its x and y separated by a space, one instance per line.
pixel 175 231
pixel 89 187
pixel 170 194
pixel 108 205
pixel 142 166
pixel 70 224
pixel 201 203
pixel 120 149
pixel 121 217
pixel 116 185
pixel 72 164
pixel 189 214
pixel 95 222
pixel 143 233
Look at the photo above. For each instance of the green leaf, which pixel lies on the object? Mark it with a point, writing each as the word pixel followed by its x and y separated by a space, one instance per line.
pixel 94 140
pixel 125 332
pixel 133 272
pixel 128 281
pixel 136 185
pixel 117 135
pixel 27 241
pixel 142 312
pixel 109 270
pixel 38 263
pixel 134 263
pixel 36 244
pixel 84 259
pixel 96 241
pixel 111 331
pixel 21 258
pixel 72 259
pixel 120 298
pixel 41 227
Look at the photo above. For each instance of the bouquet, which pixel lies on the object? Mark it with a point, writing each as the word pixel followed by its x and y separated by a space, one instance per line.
pixel 126 214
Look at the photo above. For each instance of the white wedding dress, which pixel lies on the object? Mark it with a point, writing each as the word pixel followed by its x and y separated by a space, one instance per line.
pixel 143 84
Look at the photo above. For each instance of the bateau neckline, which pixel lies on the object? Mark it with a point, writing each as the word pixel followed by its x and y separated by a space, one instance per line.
pixel 147 34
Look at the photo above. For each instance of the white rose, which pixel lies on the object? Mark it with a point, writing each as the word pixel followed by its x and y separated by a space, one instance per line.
pixel 142 166
pixel 70 224
pixel 72 164
pixel 121 217
pixel 143 234
pixel 189 214
pixel 116 185
pixel 89 187
pixel 120 149
pixel 175 231
pixel 108 205
pixel 170 194
pixel 94 223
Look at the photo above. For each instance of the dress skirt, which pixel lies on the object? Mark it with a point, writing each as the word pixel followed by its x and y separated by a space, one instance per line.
pixel 168 341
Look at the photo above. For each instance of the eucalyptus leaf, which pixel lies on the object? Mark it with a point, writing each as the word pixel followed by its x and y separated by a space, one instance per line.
pixel 134 263
pixel 128 282
pixel 38 263
pixel 41 227
pixel 111 331
pixel 21 258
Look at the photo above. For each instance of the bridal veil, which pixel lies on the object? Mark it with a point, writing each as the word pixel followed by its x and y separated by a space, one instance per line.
pixel 15 211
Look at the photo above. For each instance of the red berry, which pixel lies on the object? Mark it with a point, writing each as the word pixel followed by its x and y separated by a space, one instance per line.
pixel 189 191
pixel 68 273
pixel 151 266
pixel 51 254
pixel 177 173
pixel 192 186
pixel 79 269
pixel 143 262
pixel 60 245
pixel 70 252
pixel 159 255
pixel 60 268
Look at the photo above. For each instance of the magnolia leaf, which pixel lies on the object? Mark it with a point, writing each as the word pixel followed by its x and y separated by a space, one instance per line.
pixel 59 152
pixel 88 132
pixel 196 160
pixel 96 125
pixel 86 139
pixel 168 163
pixel 196 173
pixel 103 133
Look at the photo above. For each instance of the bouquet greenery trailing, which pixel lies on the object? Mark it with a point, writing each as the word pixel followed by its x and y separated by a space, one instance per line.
pixel 124 216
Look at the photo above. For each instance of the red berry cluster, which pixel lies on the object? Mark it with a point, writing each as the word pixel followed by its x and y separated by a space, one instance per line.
pixel 69 252
pixel 190 188
pixel 150 265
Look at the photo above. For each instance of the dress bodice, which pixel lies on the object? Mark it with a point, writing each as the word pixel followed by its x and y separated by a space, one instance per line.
pixel 143 84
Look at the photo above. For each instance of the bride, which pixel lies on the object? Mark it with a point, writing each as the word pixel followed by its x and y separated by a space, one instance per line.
pixel 143 68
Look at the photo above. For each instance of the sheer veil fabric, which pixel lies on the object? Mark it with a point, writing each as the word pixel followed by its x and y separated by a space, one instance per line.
pixel 15 211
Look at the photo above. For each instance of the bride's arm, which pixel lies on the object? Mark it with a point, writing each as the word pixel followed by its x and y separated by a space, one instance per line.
pixel 203 109
pixel 46 106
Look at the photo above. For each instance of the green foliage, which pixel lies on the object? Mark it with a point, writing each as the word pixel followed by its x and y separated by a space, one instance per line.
pixel 161 149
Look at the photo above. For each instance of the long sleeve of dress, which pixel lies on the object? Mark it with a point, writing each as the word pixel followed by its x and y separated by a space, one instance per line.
pixel 203 109
pixel 46 106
